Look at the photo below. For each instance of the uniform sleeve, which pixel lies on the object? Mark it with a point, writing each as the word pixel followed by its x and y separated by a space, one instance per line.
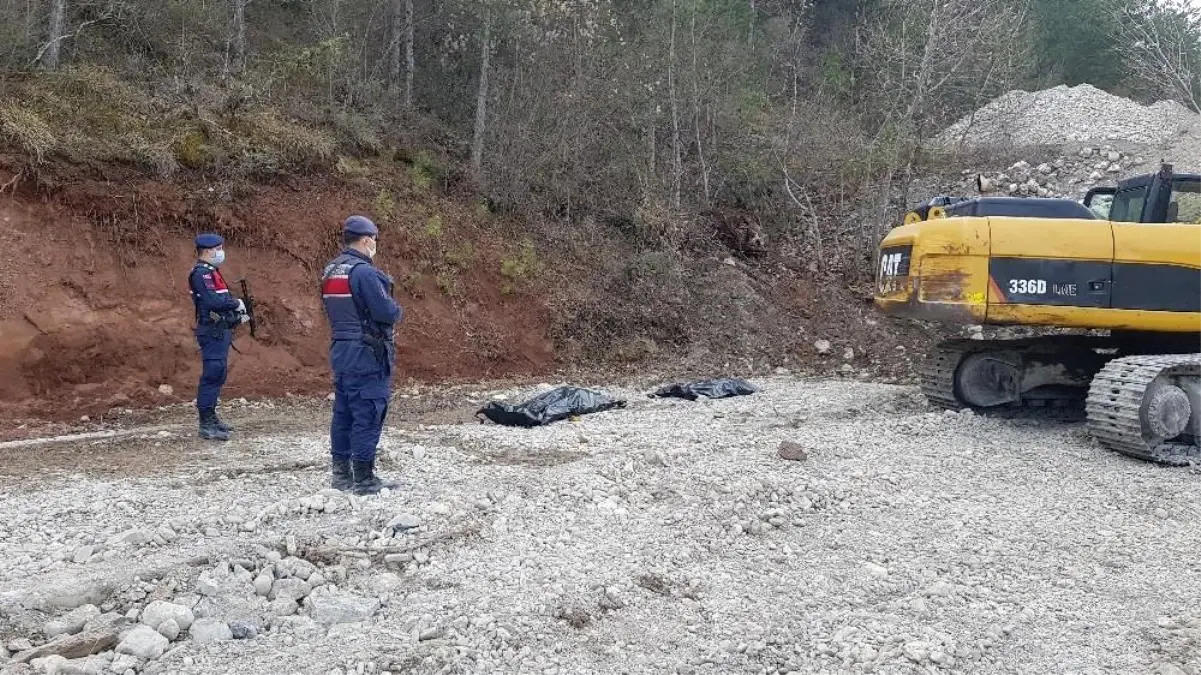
pixel 213 295
pixel 366 285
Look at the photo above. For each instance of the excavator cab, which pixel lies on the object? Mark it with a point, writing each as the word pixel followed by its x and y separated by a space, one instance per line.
pixel 1161 197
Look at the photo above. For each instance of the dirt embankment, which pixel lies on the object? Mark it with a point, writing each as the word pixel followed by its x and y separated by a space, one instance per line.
pixel 95 311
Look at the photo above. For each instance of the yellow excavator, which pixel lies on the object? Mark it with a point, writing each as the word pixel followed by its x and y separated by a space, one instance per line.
pixel 1132 279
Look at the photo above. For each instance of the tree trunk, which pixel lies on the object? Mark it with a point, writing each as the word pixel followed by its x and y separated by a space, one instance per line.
pixel 750 37
pixel 238 37
pixel 696 108
pixel 481 102
pixel 394 48
pixel 410 63
pixel 58 27
pixel 677 169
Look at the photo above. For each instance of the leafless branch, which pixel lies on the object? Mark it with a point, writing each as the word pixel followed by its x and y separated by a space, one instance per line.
pixel 63 38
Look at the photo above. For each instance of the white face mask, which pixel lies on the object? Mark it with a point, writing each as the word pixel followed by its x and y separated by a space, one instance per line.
pixel 219 257
pixel 372 248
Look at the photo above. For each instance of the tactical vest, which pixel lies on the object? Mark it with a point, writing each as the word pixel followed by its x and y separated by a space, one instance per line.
pixel 348 318
pixel 214 319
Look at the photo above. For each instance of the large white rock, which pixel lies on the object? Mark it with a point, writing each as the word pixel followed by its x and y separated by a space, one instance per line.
pixel 169 629
pixel 72 622
pixel 331 608
pixel 206 631
pixel 293 589
pixel 143 642
pixel 158 611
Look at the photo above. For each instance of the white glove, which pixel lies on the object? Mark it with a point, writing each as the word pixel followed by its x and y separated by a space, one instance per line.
pixel 241 306
pixel 244 318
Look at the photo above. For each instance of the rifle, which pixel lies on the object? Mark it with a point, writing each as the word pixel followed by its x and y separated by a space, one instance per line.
pixel 248 300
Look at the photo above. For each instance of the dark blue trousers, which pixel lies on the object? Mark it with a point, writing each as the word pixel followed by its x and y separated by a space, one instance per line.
pixel 214 355
pixel 360 406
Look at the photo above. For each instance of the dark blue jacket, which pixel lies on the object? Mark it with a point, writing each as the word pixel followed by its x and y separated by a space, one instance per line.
pixel 210 295
pixel 362 315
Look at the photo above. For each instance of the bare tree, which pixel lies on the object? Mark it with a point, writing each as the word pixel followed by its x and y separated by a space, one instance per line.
pixel 410 63
pixel 677 169
pixel 696 107
pixel 394 44
pixel 49 53
pixel 1161 46
pixel 930 57
pixel 481 100
pixel 402 37
pixel 235 58
pixel 58 23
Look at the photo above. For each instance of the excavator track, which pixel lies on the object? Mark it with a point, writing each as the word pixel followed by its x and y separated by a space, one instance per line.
pixel 1131 396
pixel 938 379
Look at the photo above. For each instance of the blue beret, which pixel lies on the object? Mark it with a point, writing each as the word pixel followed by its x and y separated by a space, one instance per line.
pixel 209 240
pixel 360 225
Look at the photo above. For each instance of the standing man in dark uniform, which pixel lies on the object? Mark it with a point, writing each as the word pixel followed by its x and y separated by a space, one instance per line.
pixel 362 318
pixel 217 313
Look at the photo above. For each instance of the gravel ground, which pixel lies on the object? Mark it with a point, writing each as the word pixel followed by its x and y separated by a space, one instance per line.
pixel 666 537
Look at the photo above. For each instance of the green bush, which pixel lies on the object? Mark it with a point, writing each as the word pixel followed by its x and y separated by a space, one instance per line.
pixel 518 268
pixel 384 206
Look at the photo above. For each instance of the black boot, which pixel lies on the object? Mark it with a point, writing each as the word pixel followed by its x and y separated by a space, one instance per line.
pixel 365 480
pixel 209 430
pixel 340 476
pixel 221 425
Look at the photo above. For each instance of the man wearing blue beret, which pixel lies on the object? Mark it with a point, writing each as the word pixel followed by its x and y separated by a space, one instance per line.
pixel 217 313
pixel 362 317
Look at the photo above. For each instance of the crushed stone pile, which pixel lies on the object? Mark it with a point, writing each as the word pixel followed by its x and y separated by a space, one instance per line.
pixel 1065 115
pixel 1069 176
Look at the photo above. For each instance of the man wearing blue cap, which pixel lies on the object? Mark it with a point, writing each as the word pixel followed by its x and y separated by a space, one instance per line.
pixel 217 313
pixel 362 317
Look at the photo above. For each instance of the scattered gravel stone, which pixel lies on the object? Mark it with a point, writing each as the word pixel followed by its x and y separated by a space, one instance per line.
pixel 386 582
pixel 792 451
pixel 84 554
pixel 295 567
pixel 159 611
pixel 123 663
pixel 292 589
pixel 206 631
pixel 405 521
pixel 134 537
pixel 72 622
pixel 144 643
pixel 329 607
pixel 85 593
pixel 169 629
pixel 263 584
pixel 95 638
pixel 244 630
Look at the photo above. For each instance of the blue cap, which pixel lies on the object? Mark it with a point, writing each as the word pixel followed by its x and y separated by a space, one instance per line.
pixel 209 240
pixel 360 225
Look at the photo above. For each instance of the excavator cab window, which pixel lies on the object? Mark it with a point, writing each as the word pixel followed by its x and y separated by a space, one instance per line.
pixel 1185 203
pixel 1100 205
pixel 1127 206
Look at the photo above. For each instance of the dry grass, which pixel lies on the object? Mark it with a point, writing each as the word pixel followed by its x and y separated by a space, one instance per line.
pixel 85 114
pixel 27 131
pixel 291 142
